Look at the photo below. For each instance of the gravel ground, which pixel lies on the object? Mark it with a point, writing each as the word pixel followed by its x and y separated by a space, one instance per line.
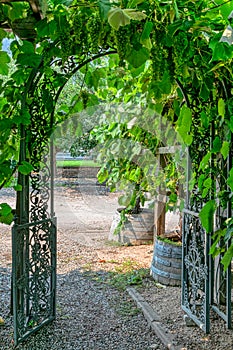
pixel 91 314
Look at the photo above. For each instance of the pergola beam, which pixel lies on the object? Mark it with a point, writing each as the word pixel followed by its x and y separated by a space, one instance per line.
pixel 24 28
pixel 35 4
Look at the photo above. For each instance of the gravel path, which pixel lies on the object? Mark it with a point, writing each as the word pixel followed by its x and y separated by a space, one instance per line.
pixel 90 315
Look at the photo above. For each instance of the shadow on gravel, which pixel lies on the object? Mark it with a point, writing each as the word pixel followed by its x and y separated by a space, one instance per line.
pixel 91 315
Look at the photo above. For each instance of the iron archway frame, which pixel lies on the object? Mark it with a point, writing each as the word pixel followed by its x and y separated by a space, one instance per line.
pixel 34 230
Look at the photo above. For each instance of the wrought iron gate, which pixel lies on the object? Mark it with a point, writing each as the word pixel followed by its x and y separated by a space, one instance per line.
pixel 205 286
pixel 34 250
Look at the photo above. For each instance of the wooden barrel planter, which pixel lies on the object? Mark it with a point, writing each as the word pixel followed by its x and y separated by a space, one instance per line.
pixel 138 229
pixel 167 263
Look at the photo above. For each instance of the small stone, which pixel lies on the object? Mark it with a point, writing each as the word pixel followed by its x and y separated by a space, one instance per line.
pixel 188 321
pixel 2 322
pixel 154 346
pixel 159 285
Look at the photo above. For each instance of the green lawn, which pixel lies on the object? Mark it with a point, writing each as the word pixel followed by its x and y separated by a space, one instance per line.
pixel 76 163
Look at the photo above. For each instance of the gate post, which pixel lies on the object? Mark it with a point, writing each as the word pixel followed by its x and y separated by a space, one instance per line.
pixel 33 248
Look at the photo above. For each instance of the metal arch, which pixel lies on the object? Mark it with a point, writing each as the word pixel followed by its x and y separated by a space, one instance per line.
pixel 34 231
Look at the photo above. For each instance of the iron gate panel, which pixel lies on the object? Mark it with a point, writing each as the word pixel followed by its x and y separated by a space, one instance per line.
pixel 221 290
pixel 195 275
pixel 34 276
pixel 205 285
pixel 34 248
pixel 220 279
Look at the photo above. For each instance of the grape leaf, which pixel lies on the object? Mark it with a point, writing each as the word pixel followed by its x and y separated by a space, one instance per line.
pixel 4 59
pixel 29 59
pixel 230 179
pixel 221 107
pixel 207 215
pixel 217 144
pixel 104 7
pixel 120 17
pixel 138 58
pixel 117 18
pixel 227 257
pixel 25 168
pixel 3 34
pixel 225 149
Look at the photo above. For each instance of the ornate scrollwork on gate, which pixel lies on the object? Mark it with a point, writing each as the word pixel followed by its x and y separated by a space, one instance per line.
pixel 34 260
pixel 40 190
pixel 34 255
pixel 205 284
pixel 195 293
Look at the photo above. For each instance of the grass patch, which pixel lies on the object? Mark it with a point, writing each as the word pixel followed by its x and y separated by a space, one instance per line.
pixel 127 308
pixel 122 280
pixel 167 240
pixel 113 243
pixel 76 163
pixel 127 273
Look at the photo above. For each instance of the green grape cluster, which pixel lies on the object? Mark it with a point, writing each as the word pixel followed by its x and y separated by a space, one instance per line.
pixel 66 44
pixel 122 41
pixel 77 25
pixel 84 97
pixel 158 35
pixel 159 54
pixel 170 64
pixel 80 34
pixel 157 65
pixel 180 50
pixel 180 42
pixel 106 36
pixel 94 28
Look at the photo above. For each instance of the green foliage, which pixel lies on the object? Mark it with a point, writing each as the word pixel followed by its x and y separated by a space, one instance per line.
pixel 76 163
pixel 206 215
pixel 169 56
pixel 5 59
pixel 122 280
pixel 128 151
pixel 6 216
pixel 118 17
pixel 25 168
pixel 222 244
pixel 127 274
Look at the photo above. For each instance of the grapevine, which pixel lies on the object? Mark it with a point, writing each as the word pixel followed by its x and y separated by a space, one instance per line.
pixel 84 97
pixel 66 44
pixel 79 24
pixel 94 28
pixel 122 40
pixel 180 50
pixel 158 54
